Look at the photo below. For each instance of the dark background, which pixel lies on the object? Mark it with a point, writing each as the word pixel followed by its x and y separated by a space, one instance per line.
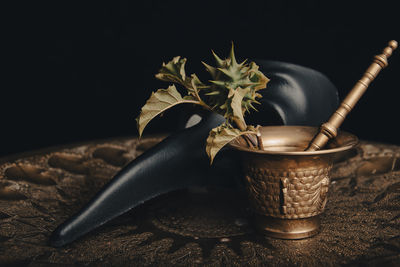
pixel 77 71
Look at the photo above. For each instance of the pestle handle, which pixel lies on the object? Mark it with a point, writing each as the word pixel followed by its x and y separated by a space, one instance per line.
pixel 329 129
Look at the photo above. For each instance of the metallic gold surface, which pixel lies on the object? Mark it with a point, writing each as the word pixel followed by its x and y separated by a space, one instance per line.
pixel 288 229
pixel 329 129
pixel 288 186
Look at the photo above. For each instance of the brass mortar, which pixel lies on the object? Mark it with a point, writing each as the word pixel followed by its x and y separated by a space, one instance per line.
pixel 288 186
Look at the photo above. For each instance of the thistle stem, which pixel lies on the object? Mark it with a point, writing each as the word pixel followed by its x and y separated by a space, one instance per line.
pixel 240 124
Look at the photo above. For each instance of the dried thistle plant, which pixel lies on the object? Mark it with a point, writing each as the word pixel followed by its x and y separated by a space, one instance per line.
pixel 231 92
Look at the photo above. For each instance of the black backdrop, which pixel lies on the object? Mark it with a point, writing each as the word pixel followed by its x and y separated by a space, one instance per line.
pixel 80 71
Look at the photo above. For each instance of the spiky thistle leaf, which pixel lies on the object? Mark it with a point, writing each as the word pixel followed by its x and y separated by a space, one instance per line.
pixel 228 80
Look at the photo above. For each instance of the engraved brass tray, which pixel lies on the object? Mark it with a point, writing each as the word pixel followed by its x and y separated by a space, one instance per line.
pixel 287 186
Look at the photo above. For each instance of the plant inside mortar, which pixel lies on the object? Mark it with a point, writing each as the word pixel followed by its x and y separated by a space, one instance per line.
pixel 231 92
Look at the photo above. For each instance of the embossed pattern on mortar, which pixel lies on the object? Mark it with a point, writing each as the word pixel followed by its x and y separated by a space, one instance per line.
pixel 289 194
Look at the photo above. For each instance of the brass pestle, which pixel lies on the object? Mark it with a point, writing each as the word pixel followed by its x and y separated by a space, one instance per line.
pixel 329 129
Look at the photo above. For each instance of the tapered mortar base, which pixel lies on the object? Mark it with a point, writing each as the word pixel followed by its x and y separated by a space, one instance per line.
pixel 287 228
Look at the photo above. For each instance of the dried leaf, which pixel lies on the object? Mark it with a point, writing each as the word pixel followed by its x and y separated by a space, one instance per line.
pixel 158 102
pixel 173 71
pixel 236 103
pixel 220 136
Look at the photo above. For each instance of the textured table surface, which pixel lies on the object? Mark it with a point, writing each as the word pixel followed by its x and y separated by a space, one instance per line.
pixel 205 227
